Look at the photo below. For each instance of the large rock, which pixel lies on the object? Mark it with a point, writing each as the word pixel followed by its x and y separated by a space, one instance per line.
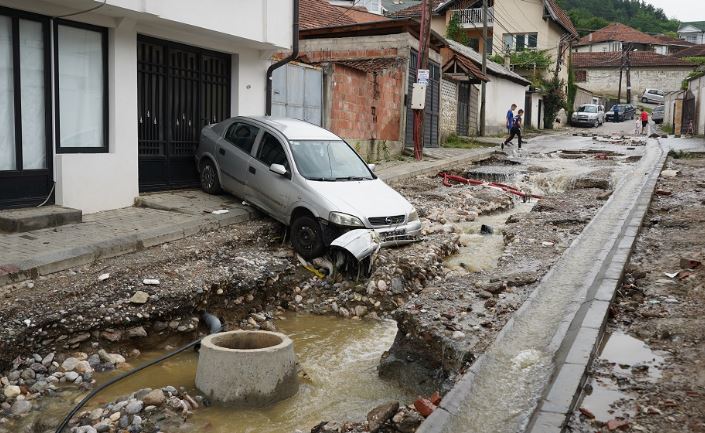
pixel 381 414
pixel 69 364
pixel 20 407
pixel 136 332
pixel 134 407
pixel 83 367
pixel 11 391
pixel 154 398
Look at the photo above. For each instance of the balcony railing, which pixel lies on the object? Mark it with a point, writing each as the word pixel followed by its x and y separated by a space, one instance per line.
pixel 473 17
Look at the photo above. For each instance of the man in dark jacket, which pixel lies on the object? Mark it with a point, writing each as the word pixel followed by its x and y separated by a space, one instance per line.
pixel 515 129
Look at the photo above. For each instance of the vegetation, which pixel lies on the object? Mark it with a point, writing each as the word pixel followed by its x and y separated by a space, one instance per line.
pixel 698 60
pixel 458 142
pixel 526 59
pixel 455 32
pixel 691 76
pixel 554 99
pixel 591 15
pixel 667 128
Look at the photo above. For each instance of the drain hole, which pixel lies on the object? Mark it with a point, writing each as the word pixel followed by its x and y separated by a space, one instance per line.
pixel 247 340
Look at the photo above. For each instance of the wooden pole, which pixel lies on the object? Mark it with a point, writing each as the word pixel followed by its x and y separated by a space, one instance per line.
pixel 422 63
pixel 483 98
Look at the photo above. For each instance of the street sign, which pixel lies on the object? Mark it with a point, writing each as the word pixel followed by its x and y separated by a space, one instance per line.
pixel 422 76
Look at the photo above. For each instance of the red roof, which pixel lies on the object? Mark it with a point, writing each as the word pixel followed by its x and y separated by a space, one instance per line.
pixel 467 64
pixel 667 40
pixel 562 18
pixel 618 32
pixel 314 14
pixel 415 10
pixel 360 15
pixel 636 59
pixel 694 51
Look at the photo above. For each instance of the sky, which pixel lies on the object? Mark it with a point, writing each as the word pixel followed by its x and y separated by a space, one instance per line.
pixel 682 10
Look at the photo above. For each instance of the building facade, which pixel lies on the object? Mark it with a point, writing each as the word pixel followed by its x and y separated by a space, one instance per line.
pixel 693 32
pixel 97 106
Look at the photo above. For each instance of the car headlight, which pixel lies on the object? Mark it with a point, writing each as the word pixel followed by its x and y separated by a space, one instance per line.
pixel 413 216
pixel 343 219
pixel 575 115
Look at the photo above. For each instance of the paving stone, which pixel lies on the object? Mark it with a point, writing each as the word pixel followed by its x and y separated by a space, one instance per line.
pixel 596 314
pixel 582 346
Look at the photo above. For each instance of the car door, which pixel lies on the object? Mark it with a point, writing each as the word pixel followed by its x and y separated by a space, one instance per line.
pixel 270 191
pixel 234 154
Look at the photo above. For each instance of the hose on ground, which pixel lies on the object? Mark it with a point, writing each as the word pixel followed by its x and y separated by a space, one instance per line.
pixel 214 325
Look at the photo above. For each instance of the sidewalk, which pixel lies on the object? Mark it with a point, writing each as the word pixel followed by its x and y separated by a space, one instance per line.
pixel 162 217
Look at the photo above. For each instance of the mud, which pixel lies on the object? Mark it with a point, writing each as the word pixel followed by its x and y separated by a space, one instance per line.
pixel 653 380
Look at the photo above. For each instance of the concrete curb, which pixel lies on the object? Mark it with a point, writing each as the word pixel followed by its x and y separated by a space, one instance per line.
pixel 77 256
pixel 579 342
pixel 567 378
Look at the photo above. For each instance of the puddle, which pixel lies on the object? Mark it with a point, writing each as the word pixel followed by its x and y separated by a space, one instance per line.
pixel 607 402
pixel 627 352
pixel 340 357
pixel 480 252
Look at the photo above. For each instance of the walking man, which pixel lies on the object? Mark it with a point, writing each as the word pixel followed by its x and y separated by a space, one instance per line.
pixel 510 118
pixel 515 129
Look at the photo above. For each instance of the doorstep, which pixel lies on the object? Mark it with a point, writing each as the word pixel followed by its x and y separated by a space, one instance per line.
pixel 36 218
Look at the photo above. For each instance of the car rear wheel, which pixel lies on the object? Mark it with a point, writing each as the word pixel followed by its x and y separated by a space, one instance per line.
pixel 209 178
pixel 644 100
pixel 307 237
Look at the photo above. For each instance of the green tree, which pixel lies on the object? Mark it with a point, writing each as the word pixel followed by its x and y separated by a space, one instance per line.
pixel 455 32
pixel 553 100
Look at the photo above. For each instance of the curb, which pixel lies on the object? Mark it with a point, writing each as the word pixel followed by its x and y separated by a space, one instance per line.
pixel 76 256
pixel 579 343
pixel 545 420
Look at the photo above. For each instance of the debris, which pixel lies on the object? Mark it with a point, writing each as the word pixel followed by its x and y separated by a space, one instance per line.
pixel 139 297
pixel 309 267
pixel 355 252
pixel 150 282
pixel 547 244
pixel 486 230
pixel 671 274
pixel 103 277
pixel 663 192
pixel 669 173
pixel 381 414
pixel 424 406
pixel 689 263
pixel 220 211
pixel 615 424
pixel 587 413
pixel 436 398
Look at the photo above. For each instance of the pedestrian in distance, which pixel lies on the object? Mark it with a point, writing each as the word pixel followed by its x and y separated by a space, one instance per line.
pixel 510 118
pixel 644 121
pixel 515 130
pixel 637 127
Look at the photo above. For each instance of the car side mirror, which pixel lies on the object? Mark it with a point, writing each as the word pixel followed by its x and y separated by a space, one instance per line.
pixel 278 169
pixel 371 167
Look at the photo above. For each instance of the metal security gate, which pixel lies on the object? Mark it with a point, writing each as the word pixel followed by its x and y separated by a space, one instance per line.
pixel 433 103
pixel 688 123
pixel 180 89
pixel 463 124
pixel 297 92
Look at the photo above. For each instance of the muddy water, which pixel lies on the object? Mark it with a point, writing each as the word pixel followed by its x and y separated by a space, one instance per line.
pixel 340 357
pixel 510 379
pixel 491 245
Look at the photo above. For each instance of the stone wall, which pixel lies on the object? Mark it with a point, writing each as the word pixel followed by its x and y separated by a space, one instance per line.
pixel 605 81
pixel 449 109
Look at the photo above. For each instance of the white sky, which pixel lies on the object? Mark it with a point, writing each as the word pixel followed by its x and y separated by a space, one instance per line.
pixel 683 10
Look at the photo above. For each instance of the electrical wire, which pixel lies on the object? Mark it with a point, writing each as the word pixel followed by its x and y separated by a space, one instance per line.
pixel 72 14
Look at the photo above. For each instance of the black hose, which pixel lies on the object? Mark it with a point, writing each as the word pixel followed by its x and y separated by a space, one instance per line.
pixel 214 325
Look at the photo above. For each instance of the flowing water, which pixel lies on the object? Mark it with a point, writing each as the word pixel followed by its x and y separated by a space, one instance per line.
pixel 339 356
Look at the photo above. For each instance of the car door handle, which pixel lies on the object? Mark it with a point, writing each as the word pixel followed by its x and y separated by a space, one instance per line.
pixel 253 170
pixel 221 151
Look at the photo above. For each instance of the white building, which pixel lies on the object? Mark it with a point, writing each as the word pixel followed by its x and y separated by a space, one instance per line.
pixel 693 32
pixel 101 105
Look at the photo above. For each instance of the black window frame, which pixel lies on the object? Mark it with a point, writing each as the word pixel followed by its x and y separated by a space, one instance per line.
pixel 254 140
pixel 15 16
pixel 103 31
pixel 260 145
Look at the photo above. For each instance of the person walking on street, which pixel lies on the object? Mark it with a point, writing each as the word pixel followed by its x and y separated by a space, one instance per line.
pixel 644 121
pixel 510 118
pixel 515 129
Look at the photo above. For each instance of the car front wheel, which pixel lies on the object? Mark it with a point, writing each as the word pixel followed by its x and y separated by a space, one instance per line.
pixel 307 237
pixel 209 178
pixel 644 100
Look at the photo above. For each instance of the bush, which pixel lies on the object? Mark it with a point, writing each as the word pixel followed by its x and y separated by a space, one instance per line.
pixel 553 100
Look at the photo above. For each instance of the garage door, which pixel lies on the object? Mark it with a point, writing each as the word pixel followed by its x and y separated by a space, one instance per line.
pixel 297 92
pixel 433 102
pixel 180 89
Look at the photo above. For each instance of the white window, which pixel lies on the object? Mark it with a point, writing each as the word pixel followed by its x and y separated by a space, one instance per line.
pixel 519 42
pixel 81 83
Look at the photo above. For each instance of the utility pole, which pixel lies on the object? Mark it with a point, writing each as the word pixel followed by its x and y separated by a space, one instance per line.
pixel 621 68
pixel 483 98
pixel 629 81
pixel 422 63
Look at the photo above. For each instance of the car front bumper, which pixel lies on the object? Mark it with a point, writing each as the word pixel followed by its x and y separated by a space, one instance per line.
pixel 577 121
pixel 399 235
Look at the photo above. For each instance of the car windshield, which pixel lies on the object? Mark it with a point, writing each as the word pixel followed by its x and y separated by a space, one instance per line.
pixel 328 161
pixel 587 109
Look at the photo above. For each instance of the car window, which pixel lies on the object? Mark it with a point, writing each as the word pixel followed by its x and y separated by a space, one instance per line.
pixel 242 136
pixel 271 151
pixel 587 109
pixel 329 161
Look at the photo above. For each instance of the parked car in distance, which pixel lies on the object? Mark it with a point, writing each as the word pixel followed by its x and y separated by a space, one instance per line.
pixel 305 177
pixel 653 96
pixel 657 114
pixel 588 115
pixel 624 112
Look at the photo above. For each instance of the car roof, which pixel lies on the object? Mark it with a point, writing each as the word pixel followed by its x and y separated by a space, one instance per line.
pixel 294 129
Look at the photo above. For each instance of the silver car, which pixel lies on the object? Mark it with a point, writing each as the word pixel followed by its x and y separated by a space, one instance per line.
pixel 305 177
pixel 653 96
pixel 658 114
pixel 589 115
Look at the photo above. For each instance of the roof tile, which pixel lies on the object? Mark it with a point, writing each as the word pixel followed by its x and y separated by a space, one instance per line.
pixel 319 13
pixel 618 32
pixel 636 59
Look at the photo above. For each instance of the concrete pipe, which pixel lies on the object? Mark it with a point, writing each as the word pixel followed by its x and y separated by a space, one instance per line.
pixel 248 368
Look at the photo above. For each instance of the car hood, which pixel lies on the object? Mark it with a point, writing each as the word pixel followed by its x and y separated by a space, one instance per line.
pixel 364 199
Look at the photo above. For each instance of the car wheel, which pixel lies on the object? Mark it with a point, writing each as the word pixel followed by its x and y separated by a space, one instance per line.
pixel 209 178
pixel 644 100
pixel 306 237
pixel 596 124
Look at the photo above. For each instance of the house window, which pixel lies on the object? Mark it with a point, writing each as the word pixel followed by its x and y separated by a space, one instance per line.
pixel 81 75
pixel 474 43
pixel 519 42
pixel 580 76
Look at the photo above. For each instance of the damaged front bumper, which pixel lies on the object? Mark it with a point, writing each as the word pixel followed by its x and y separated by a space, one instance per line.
pixel 400 235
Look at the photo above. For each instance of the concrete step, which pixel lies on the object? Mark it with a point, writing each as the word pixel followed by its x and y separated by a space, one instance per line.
pixel 35 218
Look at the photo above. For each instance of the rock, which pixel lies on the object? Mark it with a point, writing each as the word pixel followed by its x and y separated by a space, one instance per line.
pixel 298 299
pixel 94 360
pixel 382 285
pixel 663 192
pixel 381 414
pixel 360 310
pixel 587 413
pixel 424 406
pixel 458 335
pixel 114 417
pixel 139 395
pixel 20 407
pixel 139 297
pixel 71 376
pixel 435 398
pixel 86 429
pixel 95 414
pixel 134 407
pixel 669 173
pixel 407 422
pixel 48 359
pixel 79 338
pixel 615 424
pixel 11 391
pixel 689 263
pixel 124 421
pixel 106 357
pixel 154 398
pixel 136 332
pixel 102 427
pixel 150 282
pixel 397 286
pixel 83 367
pixel 169 389
pixel 69 364
pixel 486 230
pixel 27 374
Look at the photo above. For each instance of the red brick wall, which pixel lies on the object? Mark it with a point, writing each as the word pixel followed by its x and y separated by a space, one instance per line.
pixel 366 105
